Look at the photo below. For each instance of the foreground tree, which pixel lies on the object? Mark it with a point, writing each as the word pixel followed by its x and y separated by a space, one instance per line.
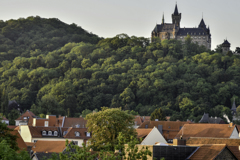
pixel 158 114
pixel 5 135
pixel 105 126
pixel 8 153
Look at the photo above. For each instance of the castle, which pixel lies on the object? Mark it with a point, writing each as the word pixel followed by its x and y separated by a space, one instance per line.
pixel 200 35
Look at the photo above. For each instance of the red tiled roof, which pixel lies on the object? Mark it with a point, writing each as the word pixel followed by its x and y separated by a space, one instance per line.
pixel 205 130
pixel 11 127
pixel 49 146
pixel 27 114
pixel 20 142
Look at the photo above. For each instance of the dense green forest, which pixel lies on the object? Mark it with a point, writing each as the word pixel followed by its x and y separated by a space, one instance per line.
pixel 54 68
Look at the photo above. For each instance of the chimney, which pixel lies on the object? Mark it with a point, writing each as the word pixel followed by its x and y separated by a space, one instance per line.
pixel 231 124
pixel 160 128
pixel 177 142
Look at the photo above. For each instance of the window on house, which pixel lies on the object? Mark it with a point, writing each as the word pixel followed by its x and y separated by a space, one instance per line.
pixel 46 124
pixel 146 126
pixel 88 134
pixel 75 142
pixel 24 117
pixel 49 133
pixel 77 134
pixel 77 126
pixel 44 133
pixel 55 133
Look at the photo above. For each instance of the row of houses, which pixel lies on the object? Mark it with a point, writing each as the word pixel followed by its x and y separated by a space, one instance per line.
pixel 165 139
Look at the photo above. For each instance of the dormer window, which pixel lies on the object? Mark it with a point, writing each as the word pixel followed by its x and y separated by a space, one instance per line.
pixel 25 117
pixel 46 124
pixel 88 134
pixel 77 126
pixel 49 133
pixel 55 133
pixel 44 133
pixel 77 134
pixel 64 133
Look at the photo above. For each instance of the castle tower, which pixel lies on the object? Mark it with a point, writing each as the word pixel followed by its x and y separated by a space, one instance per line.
pixel 176 17
pixel 225 47
pixel 163 19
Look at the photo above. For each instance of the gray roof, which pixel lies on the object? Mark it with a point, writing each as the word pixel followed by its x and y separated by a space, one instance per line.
pixel 204 118
pixel 191 31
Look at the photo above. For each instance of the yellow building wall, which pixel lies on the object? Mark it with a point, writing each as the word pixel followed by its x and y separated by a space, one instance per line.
pixel 25 133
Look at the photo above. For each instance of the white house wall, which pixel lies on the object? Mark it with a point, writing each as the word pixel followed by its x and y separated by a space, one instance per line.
pixel 153 137
pixel 235 134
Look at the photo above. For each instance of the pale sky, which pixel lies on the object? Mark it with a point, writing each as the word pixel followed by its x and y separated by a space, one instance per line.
pixel 107 18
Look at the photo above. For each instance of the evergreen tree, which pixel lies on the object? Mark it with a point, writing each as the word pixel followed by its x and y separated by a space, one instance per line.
pixel 158 114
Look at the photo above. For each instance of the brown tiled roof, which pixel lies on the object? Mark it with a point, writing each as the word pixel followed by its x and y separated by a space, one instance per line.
pixel 146 118
pixel 12 127
pixel 49 146
pixel 20 142
pixel 30 143
pixel 36 132
pixel 72 122
pixel 205 130
pixel 71 133
pixel 138 120
pixel 27 114
pixel 227 141
pixel 209 152
pixel 170 128
pixel 238 128
pixel 143 132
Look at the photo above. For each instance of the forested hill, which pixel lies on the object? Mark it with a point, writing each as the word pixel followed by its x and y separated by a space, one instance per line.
pixel 45 68
pixel 35 35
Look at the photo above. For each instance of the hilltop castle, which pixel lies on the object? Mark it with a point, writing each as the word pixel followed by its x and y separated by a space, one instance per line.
pixel 200 35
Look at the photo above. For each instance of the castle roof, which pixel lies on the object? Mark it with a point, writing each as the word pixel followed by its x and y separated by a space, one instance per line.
pixel 176 10
pixel 226 44
pixel 202 24
pixel 191 31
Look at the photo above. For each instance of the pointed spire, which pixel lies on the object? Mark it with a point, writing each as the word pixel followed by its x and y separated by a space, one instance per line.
pixel 176 10
pixel 202 24
pixel 163 18
pixel 234 105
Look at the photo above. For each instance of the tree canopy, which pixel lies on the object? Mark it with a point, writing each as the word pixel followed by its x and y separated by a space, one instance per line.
pixel 106 125
pixel 45 61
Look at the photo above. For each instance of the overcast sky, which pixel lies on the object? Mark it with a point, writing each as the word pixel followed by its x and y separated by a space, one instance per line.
pixel 107 18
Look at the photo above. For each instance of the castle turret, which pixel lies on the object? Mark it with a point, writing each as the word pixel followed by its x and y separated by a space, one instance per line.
pixel 226 47
pixel 202 24
pixel 176 17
